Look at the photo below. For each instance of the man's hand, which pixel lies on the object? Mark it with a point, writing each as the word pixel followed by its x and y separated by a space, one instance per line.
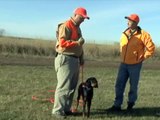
pixel 81 62
pixel 81 41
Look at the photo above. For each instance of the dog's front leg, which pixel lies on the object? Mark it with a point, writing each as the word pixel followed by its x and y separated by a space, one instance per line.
pixel 88 107
pixel 84 108
pixel 78 97
pixel 77 104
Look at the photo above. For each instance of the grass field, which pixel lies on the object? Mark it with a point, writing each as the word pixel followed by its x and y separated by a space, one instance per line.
pixel 19 83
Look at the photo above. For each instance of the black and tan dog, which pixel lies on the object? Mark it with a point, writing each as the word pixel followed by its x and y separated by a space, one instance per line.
pixel 85 90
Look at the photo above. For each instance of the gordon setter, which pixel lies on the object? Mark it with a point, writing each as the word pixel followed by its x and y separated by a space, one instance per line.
pixel 85 90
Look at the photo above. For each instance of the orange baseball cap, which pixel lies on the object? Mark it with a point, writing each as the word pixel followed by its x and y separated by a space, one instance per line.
pixel 133 17
pixel 81 11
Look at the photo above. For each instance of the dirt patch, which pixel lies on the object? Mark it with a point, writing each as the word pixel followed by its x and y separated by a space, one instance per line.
pixel 26 60
pixel 49 61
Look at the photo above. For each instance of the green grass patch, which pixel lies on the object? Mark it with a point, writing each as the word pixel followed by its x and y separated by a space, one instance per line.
pixel 19 83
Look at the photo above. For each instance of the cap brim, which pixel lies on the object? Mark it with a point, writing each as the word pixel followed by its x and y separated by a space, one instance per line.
pixel 126 17
pixel 86 17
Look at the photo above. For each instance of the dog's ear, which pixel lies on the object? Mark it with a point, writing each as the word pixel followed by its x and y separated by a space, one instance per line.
pixel 93 82
pixel 88 82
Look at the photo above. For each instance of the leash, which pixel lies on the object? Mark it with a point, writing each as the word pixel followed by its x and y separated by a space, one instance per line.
pixel 39 98
pixel 82 73
pixel 51 99
pixel 73 108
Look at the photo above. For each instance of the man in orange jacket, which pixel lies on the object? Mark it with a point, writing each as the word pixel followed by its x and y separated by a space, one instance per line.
pixel 135 46
pixel 68 59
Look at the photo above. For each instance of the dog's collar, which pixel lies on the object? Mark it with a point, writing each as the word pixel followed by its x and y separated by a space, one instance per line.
pixel 87 88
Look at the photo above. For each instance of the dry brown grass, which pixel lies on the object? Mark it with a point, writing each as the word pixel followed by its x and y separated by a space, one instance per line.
pixel 10 46
pixel 14 45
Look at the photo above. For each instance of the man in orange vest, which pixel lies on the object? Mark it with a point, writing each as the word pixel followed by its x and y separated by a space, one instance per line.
pixel 68 59
pixel 135 46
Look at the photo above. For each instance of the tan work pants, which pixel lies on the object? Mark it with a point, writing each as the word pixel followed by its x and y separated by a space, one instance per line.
pixel 67 69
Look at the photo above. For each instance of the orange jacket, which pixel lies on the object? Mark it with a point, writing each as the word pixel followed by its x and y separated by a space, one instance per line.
pixel 137 48
pixel 69 33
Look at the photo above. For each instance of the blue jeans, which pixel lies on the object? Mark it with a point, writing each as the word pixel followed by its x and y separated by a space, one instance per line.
pixel 131 72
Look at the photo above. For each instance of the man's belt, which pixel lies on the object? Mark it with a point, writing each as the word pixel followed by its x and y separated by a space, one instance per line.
pixel 68 55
